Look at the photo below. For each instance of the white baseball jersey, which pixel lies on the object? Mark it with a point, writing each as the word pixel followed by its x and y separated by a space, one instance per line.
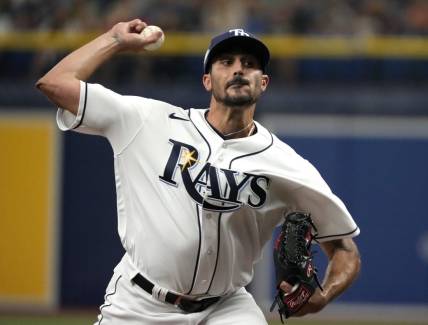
pixel 195 210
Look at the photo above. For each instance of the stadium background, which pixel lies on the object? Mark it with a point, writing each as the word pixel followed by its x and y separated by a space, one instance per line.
pixel 349 91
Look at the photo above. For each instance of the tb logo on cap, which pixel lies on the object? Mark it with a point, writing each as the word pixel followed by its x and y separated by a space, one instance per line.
pixel 238 32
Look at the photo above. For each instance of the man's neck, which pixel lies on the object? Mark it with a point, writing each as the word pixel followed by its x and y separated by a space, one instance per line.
pixel 232 122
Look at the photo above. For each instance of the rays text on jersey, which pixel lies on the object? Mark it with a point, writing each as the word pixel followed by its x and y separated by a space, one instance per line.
pixel 216 189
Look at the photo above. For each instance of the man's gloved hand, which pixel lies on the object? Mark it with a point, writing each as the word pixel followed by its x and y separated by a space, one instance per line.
pixel 293 264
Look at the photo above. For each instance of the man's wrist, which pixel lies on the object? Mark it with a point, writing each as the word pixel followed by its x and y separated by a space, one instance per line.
pixel 112 42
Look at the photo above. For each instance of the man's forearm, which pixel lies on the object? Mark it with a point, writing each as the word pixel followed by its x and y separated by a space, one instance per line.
pixel 82 63
pixel 61 84
pixel 343 267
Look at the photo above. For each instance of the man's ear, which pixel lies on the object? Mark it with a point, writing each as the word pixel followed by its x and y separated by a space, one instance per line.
pixel 265 81
pixel 206 80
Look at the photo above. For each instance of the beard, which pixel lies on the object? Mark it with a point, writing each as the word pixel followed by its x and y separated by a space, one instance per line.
pixel 236 100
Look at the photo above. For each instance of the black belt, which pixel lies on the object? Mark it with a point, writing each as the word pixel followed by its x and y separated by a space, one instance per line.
pixel 188 305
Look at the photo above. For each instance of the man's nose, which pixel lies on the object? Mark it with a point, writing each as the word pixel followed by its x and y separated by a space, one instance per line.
pixel 238 68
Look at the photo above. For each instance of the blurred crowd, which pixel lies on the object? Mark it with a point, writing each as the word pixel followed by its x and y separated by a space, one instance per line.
pixel 301 17
pixel 259 16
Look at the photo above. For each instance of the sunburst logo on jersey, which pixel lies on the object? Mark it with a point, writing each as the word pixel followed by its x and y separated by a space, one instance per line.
pixel 189 158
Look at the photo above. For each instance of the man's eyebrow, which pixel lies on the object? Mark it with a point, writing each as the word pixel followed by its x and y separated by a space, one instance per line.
pixel 229 55
pixel 224 55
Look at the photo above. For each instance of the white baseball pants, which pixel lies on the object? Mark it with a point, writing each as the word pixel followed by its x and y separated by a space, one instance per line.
pixel 128 304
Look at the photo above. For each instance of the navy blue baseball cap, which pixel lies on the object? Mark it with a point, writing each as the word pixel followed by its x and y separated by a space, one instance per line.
pixel 240 39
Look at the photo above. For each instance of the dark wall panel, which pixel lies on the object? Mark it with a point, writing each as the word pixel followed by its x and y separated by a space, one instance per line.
pixel 90 244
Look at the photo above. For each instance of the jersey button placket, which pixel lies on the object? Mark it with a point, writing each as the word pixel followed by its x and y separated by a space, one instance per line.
pixel 209 230
pixel 208 256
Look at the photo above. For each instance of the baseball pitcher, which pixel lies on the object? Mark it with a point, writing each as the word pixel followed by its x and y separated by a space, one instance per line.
pixel 200 191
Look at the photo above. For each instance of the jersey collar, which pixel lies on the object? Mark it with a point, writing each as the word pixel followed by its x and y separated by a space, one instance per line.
pixel 253 143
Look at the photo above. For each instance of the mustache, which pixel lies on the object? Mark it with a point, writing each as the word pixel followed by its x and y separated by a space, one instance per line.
pixel 238 80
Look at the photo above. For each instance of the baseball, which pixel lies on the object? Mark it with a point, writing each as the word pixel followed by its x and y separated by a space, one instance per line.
pixel 147 32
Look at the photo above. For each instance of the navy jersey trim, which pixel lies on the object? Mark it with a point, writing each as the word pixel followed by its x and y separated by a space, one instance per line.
pixel 218 251
pixel 221 135
pixel 215 130
pixel 199 250
pixel 338 235
pixel 253 153
pixel 84 107
pixel 218 244
pixel 105 299
pixel 208 144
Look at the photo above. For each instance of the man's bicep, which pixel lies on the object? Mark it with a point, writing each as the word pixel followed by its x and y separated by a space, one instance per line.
pixel 344 244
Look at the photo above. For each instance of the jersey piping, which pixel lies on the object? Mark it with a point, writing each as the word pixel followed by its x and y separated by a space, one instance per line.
pixel 105 298
pixel 206 141
pixel 84 107
pixel 338 235
pixel 222 135
pixel 199 249
pixel 218 251
pixel 252 153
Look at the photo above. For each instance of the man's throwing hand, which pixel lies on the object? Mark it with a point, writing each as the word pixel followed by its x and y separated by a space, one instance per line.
pixel 128 36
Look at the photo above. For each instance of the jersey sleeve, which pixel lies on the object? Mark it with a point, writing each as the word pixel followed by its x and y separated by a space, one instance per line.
pixel 106 113
pixel 329 214
pixel 301 186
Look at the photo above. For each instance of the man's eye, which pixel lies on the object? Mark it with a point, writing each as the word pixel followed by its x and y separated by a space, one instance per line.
pixel 248 64
pixel 226 62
